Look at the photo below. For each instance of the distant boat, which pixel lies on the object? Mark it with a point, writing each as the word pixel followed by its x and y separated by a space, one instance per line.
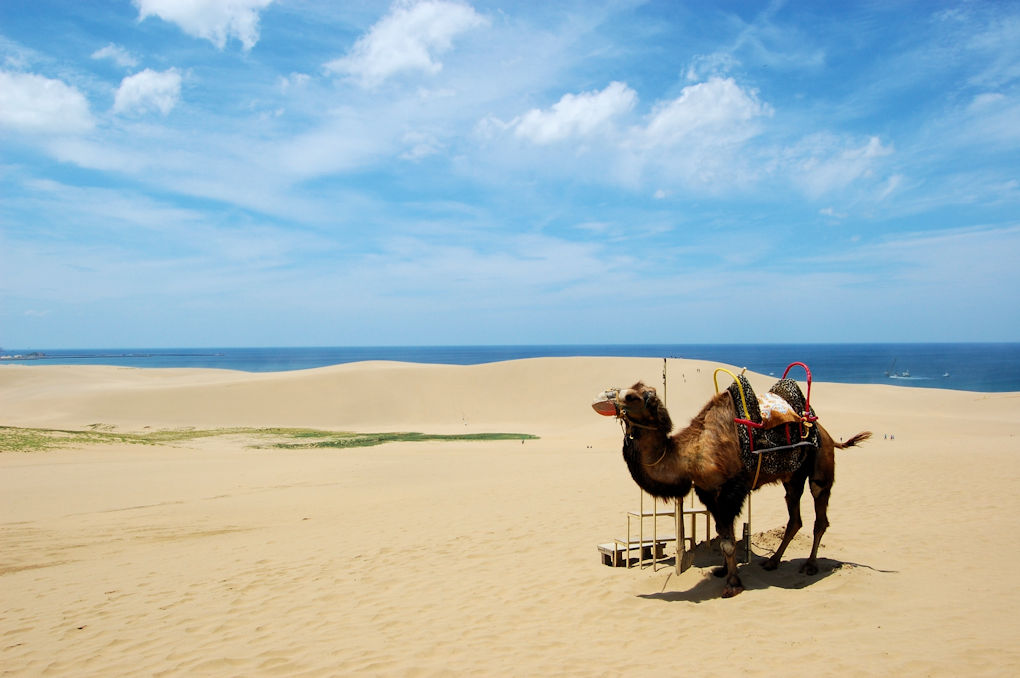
pixel 905 374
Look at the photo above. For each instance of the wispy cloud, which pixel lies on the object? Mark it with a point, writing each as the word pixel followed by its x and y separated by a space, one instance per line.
pixel 117 55
pixel 823 163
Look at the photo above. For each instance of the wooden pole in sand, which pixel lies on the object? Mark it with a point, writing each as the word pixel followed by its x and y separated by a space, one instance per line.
pixel 664 399
pixel 681 545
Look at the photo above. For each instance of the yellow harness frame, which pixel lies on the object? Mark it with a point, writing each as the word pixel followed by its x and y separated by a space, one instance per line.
pixel 740 387
pixel 747 417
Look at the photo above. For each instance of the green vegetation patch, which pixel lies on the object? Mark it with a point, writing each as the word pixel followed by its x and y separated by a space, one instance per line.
pixel 14 439
pixel 370 439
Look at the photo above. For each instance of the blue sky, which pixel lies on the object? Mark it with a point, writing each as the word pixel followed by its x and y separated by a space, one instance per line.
pixel 290 172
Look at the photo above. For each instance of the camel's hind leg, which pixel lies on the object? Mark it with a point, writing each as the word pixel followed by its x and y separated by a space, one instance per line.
pixel 794 490
pixel 822 478
pixel 821 493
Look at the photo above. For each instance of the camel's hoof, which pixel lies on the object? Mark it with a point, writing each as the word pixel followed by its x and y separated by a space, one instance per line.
pixel 720 571
pixel 731 591
pixel 769 564
pixel 809 569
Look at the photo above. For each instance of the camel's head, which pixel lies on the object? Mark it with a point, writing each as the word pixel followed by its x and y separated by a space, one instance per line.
pixel 639 403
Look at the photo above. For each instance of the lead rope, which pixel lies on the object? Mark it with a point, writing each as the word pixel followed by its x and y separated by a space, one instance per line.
pixel 625 422
pixel 754 485
pixel 661 457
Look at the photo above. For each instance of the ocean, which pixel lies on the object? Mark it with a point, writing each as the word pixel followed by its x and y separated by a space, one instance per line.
pixel 984 367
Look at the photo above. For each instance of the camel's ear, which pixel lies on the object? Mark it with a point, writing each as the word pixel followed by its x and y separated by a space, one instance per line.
pixel 652 402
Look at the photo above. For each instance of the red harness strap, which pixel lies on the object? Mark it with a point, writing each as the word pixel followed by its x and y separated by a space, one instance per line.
pixel 750 425
pixel 806 414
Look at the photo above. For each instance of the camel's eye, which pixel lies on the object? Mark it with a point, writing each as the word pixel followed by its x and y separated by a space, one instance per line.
pixel 631 398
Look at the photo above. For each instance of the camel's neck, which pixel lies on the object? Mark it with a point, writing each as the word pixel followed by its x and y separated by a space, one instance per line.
pixel 705 453
pixel 655 462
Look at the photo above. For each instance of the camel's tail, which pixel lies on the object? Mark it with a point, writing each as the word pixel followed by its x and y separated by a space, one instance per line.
pixel 859 438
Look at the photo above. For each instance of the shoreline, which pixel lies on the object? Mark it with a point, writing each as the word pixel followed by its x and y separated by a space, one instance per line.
pixel 374 394
pixel 991 367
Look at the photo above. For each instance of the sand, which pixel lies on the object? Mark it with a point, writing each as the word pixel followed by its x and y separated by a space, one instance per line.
pixel 211 557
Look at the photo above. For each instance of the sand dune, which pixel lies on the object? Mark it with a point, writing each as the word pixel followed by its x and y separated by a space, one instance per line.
pixel 209 557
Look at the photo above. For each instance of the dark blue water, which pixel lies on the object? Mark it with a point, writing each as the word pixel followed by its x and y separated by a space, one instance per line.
pixel 968 367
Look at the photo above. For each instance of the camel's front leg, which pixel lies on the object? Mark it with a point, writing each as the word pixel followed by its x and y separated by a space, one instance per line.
pixel 794 490
pixel 729 570
pixel 725 504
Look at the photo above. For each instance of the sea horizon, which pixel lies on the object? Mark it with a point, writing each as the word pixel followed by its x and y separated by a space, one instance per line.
pixel 970 366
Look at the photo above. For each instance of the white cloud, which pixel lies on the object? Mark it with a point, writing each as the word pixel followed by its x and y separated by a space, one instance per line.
pixel 35 104
pixel 406 39
pixel 148 90
pixel 696 139
pixel 576 114
pixel 709 113
pixel 117 55
pixel 213 20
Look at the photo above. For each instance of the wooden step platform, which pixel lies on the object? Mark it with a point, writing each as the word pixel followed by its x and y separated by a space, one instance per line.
pixel 617 552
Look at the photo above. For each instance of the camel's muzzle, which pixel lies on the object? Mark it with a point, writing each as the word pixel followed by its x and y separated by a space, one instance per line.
pixel 606 403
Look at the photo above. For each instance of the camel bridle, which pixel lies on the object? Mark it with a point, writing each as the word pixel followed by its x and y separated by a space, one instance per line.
pixel 628 425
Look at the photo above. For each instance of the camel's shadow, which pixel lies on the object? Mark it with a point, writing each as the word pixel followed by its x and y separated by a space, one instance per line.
pixel 753 575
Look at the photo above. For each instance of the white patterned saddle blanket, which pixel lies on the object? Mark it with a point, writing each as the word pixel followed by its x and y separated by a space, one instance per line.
pixel 775 411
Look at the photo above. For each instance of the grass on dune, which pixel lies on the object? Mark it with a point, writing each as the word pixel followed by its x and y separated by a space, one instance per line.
pixel 370 439
pixel 15 439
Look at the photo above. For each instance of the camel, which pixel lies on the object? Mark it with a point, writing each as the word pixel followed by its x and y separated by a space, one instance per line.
pixel 706 455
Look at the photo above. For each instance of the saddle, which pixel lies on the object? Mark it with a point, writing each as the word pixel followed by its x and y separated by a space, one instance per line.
pixel 777 431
